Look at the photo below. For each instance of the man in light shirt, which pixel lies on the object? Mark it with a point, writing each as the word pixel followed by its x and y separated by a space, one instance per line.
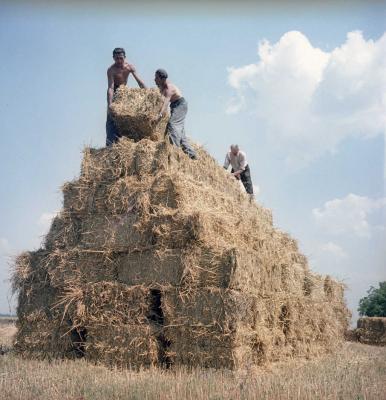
pixel 240 168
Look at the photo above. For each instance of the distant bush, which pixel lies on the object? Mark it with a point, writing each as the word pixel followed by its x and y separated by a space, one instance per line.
pixel 374 304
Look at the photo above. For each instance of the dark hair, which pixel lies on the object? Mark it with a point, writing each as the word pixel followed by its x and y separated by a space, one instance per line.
pixel 161 73
pixel 119 50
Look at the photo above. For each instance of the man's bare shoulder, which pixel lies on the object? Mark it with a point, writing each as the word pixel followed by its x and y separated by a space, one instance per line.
pixel 129 67
pixel 111 69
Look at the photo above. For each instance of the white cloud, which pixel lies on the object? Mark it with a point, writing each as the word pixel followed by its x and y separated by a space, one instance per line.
pixel 348 215
pixel 333 249
pixel 45 220
pixel 309 100
pixel 5 247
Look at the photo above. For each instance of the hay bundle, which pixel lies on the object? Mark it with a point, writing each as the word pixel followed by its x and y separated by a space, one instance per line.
pixel 134 112
pixel 156 259
pixel 371 330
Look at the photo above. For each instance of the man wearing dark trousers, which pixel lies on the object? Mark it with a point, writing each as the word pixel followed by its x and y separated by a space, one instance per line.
pixel 240 168
pixel 117 75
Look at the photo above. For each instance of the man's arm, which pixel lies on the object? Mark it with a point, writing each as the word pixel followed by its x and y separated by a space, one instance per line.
pixel 227 162
pixel 140 82
pixel 110 87
pixel 168 96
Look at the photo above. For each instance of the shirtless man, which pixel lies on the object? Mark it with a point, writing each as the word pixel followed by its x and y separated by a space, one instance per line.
pixel 117 75
pixel 178 109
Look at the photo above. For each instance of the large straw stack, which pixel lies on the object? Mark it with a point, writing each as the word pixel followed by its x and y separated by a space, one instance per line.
pixel 370 330
pixel 159 259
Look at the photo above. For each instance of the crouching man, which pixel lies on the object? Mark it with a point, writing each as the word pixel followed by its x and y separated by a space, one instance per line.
pixel 240 168
pixel 175 128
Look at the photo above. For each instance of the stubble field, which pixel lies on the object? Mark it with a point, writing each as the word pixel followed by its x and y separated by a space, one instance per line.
pixel 356 372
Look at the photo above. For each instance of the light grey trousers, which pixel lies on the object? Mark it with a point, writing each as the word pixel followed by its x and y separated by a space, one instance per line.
pixel 176 129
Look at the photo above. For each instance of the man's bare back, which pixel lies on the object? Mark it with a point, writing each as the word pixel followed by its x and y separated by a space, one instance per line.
pixel 171 91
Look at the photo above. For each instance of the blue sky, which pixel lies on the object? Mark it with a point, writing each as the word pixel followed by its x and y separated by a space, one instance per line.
pixel 306 104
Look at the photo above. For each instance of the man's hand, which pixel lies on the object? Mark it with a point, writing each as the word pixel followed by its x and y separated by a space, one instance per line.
pixel 236 174
pixel 157 119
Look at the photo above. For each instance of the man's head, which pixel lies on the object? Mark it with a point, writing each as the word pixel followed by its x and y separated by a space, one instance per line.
pixel 160 77
pixel 235 149
pixel 119 56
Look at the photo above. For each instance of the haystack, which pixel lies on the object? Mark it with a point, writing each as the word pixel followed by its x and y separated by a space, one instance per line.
pixel 157 259
pixel 371 330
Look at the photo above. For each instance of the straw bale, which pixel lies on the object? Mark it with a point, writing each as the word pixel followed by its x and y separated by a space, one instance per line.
pixel 123 160
pixel 129 346
pixel 200 266
pixel 274 328
pixel 43 335
pixel 197 355
pixel 314 285
pixel 121 196
pixel 104 302
pixel 371 330
pixel 107 164
pixel 63 233
pixel 194 267
pixel 28 271
pixel 134 112
pixel 115 318
pixel 223 310
pixel 77 266
pixel 41 331
pixel 201 346
pixel 333 289
pixel 128 232
pixel 314 326
pixel 116 233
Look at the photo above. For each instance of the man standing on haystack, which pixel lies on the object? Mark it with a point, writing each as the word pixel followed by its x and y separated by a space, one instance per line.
pixel 117 75
pixel 178 109
pixel 240 168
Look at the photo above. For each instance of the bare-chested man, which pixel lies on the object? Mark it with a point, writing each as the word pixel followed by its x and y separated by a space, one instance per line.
pixel 117 75
pixel 178 109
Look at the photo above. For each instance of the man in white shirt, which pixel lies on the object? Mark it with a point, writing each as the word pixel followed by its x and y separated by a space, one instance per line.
pixel 240 168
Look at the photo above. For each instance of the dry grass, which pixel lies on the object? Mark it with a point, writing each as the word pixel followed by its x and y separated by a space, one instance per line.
pixel 7 331
pixel 356 372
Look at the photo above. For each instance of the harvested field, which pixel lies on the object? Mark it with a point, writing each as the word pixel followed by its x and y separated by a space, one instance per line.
pixel 158 259
pixel 355 371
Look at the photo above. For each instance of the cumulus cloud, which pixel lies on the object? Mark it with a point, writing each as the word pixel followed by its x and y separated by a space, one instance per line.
pixel 333 249
pixel 309 100
pixel 348 215
pixel 5 247
pixel 45 220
